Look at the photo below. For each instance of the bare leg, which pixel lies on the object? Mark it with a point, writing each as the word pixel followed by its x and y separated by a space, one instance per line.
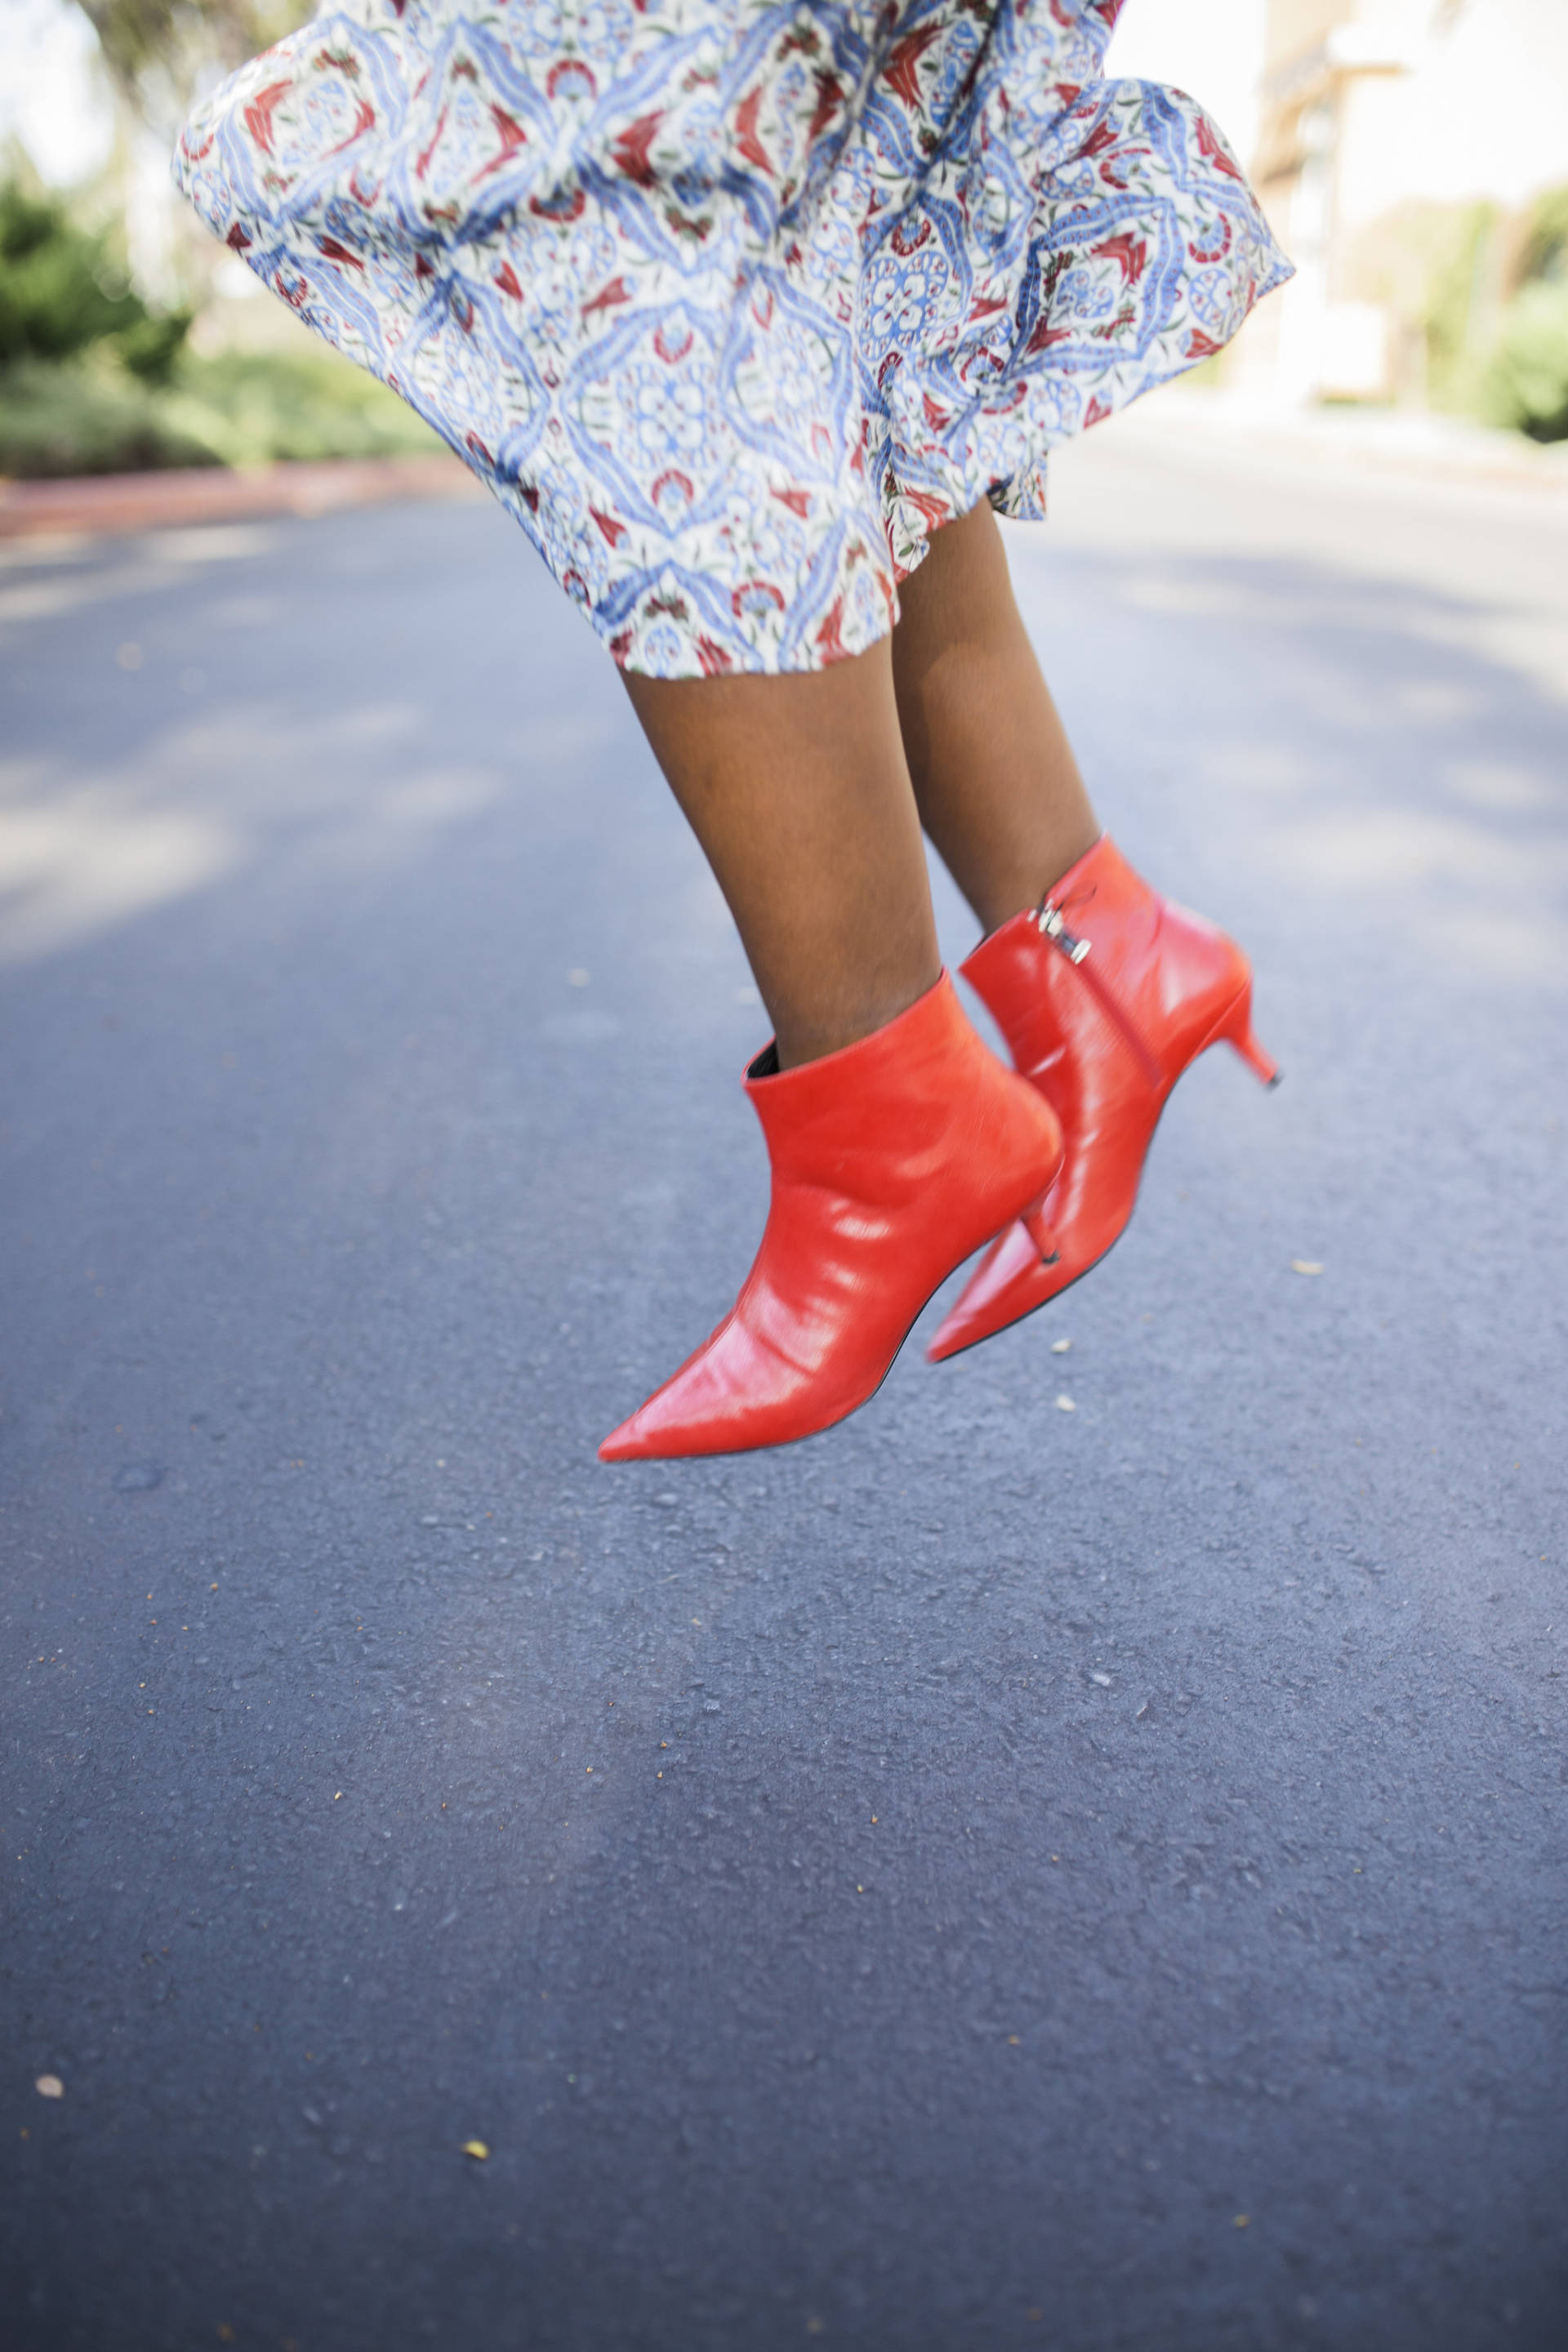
pixel 797 788
pixel 995 778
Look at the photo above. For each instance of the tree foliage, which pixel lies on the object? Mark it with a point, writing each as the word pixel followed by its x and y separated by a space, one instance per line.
pixel 162 53
pixel 1546 246
pixel 61 292
pixel 1526 383
pixel 94 380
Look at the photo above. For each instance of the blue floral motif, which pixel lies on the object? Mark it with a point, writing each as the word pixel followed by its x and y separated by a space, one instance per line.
pixel 733 302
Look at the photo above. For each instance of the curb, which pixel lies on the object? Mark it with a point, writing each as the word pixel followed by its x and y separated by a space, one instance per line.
pixel 1396 445
pixel 107 503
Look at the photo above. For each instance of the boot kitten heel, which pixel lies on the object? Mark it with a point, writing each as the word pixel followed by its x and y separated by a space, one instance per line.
pixel 1105 993
pixel 1238 1031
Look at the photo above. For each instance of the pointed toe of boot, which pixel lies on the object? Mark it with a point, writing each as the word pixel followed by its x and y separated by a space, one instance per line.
pixel 732 1395
pixel 1011 1281
pixel 631 1442
pixel 655 1433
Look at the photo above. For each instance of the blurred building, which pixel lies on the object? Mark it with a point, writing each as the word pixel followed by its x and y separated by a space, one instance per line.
pixel 1399 146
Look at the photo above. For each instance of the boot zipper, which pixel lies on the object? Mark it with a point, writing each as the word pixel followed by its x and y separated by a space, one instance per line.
pixel 1049 923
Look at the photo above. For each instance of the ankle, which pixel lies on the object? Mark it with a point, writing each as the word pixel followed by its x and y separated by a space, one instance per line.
pixel 809 1033
pixel 1022 888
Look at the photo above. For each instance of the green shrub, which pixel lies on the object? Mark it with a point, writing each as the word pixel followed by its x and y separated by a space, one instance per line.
pixel 1546 246
pixel 249 406
pixel 87 417
pixel 1526 380
pixel 91 414
pixel 151 347
pixel 1460 241
pixel 93 381
pixel 60 292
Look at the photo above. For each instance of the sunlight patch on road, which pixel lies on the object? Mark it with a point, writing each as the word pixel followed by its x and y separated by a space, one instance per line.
pixel 81 853
pixel 1392 860
pixel 1505 785
pixel 87 860
pixel 211 542
pixel 1262 767
pixel 160 560
pixel 1190 598
pixel 440 796
pixel 1356 850
pixel 1533 645
pixel 71 592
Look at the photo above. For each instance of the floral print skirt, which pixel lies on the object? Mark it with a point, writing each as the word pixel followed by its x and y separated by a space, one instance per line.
pixel 733 302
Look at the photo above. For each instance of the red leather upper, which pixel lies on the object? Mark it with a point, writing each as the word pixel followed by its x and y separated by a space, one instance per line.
pixel 1158 975
pixel 1104 1040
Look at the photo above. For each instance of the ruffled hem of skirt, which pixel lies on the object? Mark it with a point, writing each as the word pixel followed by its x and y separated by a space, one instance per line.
pixel 826 405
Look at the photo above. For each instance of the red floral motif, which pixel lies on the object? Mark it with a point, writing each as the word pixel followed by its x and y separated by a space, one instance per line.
pixel 1130 253
pixel 364 120
pixel 631 150
pixel 423 165
pixel 747 142
pixel 1213 151
pixel 571 77
pixel 755 596
pixel 830 635
pixel 829 99
pixel 900 73
pixel 258 114
pixel 565 204
pixel 511 135
pixel 1203 251
pixel 607 297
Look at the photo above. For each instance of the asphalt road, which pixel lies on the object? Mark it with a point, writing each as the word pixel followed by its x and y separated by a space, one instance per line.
pixel 992 1876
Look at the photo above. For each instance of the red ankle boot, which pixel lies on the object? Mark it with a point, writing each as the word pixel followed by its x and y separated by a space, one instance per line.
pixel 1105 995
pixel 891 1161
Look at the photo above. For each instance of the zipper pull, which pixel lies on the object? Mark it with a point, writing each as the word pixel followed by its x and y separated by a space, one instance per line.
pixel 1048 922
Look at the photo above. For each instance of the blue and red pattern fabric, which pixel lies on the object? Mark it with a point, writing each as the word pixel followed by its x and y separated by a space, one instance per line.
pixel 733 302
